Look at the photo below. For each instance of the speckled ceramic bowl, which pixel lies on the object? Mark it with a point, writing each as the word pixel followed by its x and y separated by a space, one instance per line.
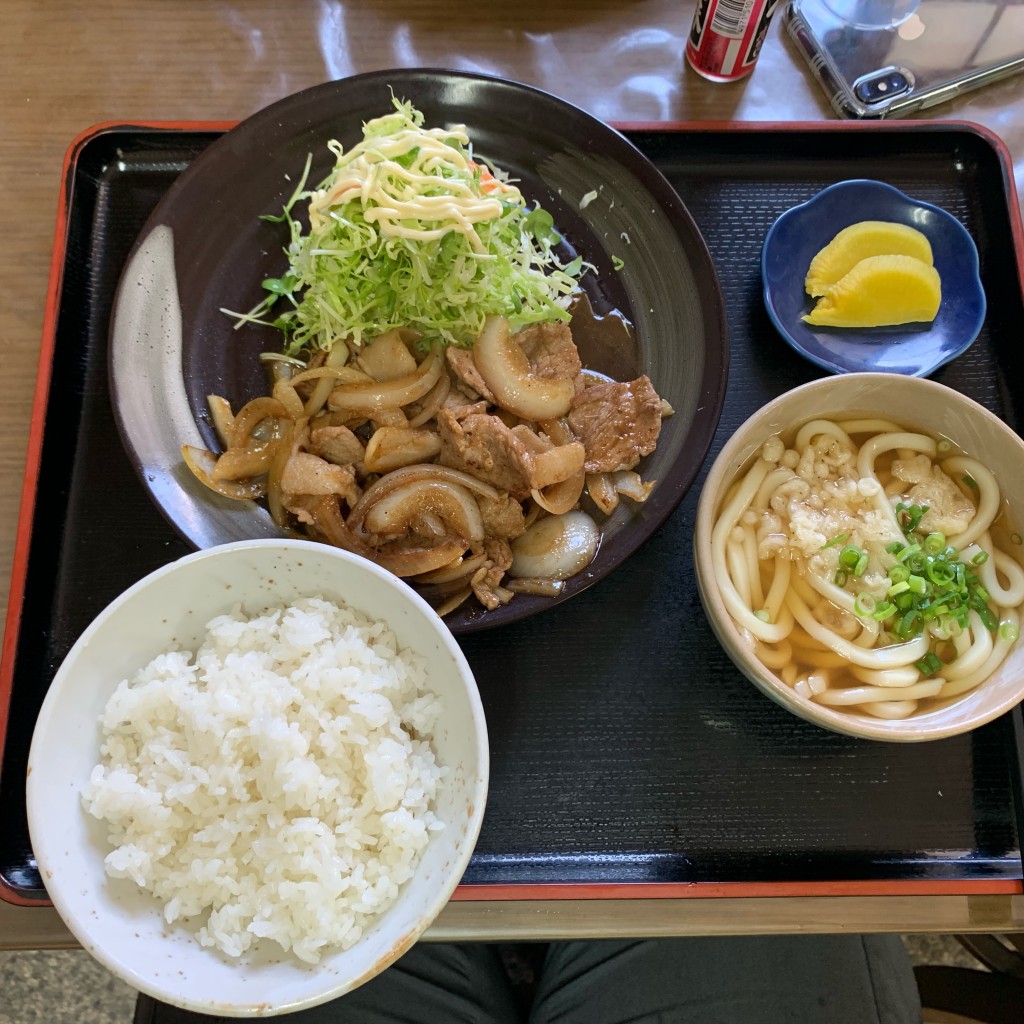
pixel 205 248
pixel 122 926
pixel 913 402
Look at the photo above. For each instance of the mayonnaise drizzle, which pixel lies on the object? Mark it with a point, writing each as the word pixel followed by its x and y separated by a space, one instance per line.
pixel 436 195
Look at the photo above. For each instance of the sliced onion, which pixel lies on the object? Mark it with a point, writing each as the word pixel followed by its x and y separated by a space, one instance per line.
pixel 428 524
pixel 533 513
pixel 558 464
pixel 561 497
pixel 394 447
pixel 242 463
pixel 602 492
pixel 334 374
pixel 251 415
pixel 273 358
pixel 285 393
pixel 506 371
pixel 222 417
pixel 458 569
pixel 453 602
pixel 432 402
pixel 555 546
pixel 386 357
pixel 541 586
pixel 629 484
pixel 400 561
pixel 416 561
pixel 325 382
pixel 202 464
pixel 435 593
pixel 389 417
pixel 391 394
pixel 275 495
pixel 396 512
pixel 329 520
pixel 407 474
pixel 558 431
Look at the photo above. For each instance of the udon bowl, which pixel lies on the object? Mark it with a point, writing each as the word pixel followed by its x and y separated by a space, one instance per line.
pixel 918 404
pixel 123 926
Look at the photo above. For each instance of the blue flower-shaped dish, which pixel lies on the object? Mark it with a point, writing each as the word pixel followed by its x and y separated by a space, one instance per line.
pixel 913 349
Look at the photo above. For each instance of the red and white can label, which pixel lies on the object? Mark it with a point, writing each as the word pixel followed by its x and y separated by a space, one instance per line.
pixel 726 36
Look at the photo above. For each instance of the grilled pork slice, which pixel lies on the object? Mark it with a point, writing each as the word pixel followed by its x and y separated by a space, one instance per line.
pixel 550 349
pixel 617 423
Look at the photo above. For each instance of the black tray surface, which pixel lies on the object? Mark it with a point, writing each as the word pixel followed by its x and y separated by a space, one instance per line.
pixel 625 746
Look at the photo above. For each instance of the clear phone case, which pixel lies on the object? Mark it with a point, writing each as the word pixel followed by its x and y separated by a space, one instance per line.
pixel 886 58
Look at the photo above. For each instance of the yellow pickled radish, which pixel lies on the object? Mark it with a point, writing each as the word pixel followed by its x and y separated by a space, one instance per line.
pixel 858 242
pixel 881 291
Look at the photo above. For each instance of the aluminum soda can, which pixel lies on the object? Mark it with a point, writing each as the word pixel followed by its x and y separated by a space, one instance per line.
pixel 726 37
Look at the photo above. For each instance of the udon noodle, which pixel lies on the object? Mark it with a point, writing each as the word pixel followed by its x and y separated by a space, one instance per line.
pixel 870 566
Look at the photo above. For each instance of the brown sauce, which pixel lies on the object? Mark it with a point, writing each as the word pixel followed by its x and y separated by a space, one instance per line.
pixel 606 343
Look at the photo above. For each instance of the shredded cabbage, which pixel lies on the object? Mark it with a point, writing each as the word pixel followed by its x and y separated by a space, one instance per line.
pixel 411 230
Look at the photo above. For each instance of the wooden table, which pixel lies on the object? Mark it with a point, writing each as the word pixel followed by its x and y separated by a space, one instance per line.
pixel 72 65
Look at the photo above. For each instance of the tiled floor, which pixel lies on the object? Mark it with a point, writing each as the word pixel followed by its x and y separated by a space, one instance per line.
pixel 65 987
pixel 69 987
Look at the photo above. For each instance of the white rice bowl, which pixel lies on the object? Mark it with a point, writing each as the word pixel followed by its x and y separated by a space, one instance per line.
pixel 270 779
pixel 323 831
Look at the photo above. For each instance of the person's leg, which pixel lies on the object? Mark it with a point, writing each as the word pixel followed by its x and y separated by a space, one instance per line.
pixel 803 979
pixel 433 983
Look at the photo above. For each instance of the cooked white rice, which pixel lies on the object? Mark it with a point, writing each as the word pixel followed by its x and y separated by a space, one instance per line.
pixel 279 782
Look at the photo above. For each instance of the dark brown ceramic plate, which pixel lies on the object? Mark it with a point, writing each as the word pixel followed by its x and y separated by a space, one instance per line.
pixel 205 248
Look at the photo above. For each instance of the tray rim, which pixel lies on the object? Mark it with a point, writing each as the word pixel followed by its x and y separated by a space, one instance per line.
pixel 478 892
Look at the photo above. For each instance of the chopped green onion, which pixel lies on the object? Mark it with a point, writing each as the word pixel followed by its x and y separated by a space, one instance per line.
pixel 970 481
pixel 942 574
pixel 906 626
pixel 841 578
pixel 932 590
pixel 988 620
pixel 908 551
pixel 864 604
pixel 945 445
pixel 951 626
pixel 763 615
pixel 849 557
pixel 883 611
pixel 1008 632
pixel 836 541
pixel 910 516
pixel 862 564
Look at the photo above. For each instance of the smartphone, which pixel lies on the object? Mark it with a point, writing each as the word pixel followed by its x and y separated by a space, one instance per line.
pixel 886 58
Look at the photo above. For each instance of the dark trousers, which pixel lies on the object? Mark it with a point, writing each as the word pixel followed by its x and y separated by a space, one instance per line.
pixel 803 979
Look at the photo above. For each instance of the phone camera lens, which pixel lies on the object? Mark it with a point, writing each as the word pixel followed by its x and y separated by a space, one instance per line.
pixel 881 85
